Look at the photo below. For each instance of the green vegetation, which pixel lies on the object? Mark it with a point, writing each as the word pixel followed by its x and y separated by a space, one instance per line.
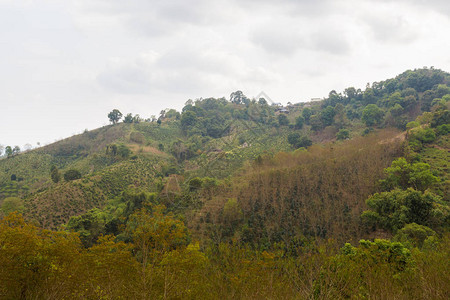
pixel 297 141
pixel 372 115
pixel 343 134
pixel 392 210
pixel 72 174
pixel 114 116
pixel 54 174
pixel 12 204
pixel 237 198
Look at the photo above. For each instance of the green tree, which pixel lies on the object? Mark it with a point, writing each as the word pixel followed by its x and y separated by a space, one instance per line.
pixel 293 138
pixel 128 118
pixel 315 122
pixel 299 121
pixel 327 115
pixel 238 97
pixel 402 174
pixel 8 151
pixel 232 216
pixel 184 273
pixel 195 184
pixel 36 263
pixel 440 117
pixel 343 134
pixel 113 148
pixel 12 204
pixel 350 93
pixel 172 113
pixel 340 117
pixel 114 116
pixel 394 98
pixel 137 119
pixel 392 210
pixel 307 113
pixel 72 174
pixel 364 271
pixel 369 96
pixel 113 271
pixel 89 226
pixel 16 150
pixel 414 235
pixel 297 140
pixel 123 151
pixel 372 115
pixel 188 119
pixel 420 136
pixel 283 120
pixel 54 174
pixel 154 233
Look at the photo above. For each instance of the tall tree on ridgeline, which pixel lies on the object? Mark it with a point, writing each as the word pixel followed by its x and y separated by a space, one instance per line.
pixel 114 116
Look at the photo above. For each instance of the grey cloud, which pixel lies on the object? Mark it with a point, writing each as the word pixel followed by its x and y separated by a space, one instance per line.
pixel 179 70
pixel 439 6
pixel 208 60
pixel 158 17
pixel 391 29
pixel 306 8
pixel 279 37
pixel 289 39
pixel 182 82
pixel 126 79
pixel 277 42
pixel 330 41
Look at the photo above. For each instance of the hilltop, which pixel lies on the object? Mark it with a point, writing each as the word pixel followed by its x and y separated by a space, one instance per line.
pixel 325 199
pixel 210 137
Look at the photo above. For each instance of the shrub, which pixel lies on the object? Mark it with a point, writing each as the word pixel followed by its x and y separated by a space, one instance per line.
pixel 296 140
pixel 403 174
pixel 425 136
pixel 283 120
pixel 440 117
pixel 195 184
pixel 72 174
pixel 412 124
pixel 396 208
pixel 54 174
pixel 414 235
pixel 299 121
pixel 372 115
pixel 12 204
pixel 443 129
pixel 367 131
pixel 123 151
pixel 343 134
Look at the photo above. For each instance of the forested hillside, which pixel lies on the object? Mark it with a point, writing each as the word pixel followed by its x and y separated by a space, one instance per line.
pixel 240 198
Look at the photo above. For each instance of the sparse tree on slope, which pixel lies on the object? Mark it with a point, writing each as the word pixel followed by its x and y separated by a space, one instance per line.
pixel 115 116
pixel 8 151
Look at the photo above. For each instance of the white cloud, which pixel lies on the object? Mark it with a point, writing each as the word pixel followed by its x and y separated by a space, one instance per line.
pixel 391 28
pixel 280 37
pixel 86 57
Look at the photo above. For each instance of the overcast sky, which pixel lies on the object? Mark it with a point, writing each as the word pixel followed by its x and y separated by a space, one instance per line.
pixel 65 64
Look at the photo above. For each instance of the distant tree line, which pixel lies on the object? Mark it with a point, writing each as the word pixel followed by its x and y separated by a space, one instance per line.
pixel 9 151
